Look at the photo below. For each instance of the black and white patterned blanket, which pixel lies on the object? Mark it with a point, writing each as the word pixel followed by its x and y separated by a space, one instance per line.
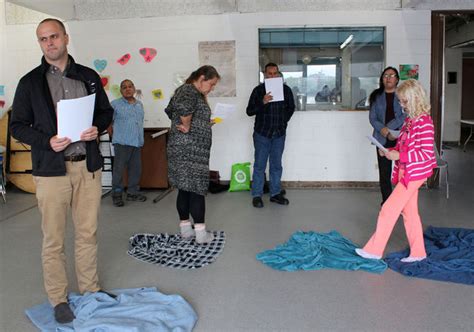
pixel 174 251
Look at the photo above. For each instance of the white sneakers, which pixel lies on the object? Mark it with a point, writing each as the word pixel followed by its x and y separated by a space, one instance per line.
pixel 365 254
pixel 202 236
pixel 362 253
pixel 186 229
pixel 411 259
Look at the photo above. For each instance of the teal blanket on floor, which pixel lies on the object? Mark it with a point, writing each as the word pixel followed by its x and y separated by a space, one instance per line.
pixel 316 251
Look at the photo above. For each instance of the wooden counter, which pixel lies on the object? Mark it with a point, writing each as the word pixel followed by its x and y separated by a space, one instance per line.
pixel 154 160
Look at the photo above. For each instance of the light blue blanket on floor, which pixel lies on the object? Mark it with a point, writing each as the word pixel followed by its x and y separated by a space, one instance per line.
pixel 316 251
pixel 134 310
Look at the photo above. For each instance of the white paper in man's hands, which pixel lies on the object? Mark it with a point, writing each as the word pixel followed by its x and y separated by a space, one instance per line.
pixel 275 87
pixel 377 143
pixel 75 116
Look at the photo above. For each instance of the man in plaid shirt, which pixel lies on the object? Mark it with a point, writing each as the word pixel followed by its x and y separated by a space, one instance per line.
pixel 271 120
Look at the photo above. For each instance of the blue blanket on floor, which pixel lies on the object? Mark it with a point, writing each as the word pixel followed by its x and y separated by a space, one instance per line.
pixel 450 256
pixel 315 251
pixel 139 309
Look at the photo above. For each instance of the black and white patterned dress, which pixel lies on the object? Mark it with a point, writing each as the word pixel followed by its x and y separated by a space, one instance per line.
pixel 188 154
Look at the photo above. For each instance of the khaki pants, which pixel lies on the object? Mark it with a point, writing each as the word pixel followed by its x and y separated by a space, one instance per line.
pixel 81 191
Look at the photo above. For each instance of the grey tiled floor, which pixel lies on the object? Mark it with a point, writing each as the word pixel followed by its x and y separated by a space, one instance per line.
pixel 237 293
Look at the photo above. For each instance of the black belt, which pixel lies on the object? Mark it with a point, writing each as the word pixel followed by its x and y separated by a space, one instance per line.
pixel 78 157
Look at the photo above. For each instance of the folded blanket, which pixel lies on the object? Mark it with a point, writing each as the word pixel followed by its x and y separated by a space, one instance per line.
pixel 315 251
pixel 139 309
pixel 450 256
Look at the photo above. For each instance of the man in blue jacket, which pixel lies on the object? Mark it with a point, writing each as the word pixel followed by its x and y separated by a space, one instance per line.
pixel 67 174
pixel 271 120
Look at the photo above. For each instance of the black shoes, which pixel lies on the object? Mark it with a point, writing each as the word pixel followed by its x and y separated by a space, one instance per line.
pixel 279 199
pixel 63 313
pixel 136 197
pixel 266 189
pixel 117 199
pixel 257 202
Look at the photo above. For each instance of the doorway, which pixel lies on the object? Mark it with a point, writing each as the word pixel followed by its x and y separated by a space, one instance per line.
pixel 447 95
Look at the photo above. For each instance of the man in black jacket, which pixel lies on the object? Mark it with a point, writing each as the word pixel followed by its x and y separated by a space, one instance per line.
pixel 271 120
pixel 67 174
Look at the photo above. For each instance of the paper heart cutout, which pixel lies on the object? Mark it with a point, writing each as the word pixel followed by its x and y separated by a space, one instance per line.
pixel 115 89
pixel 124 59
pixel 157 94
pixel 100 65
pixel 2 103
pixel 147 53
pixel 105 81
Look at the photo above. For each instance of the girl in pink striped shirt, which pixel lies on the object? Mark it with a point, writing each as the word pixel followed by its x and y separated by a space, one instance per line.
pixel 414 162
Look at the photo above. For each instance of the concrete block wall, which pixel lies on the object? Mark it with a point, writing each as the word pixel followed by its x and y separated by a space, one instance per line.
pixel 320 146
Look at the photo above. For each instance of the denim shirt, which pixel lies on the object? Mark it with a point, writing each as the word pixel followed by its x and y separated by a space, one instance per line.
pixel 128 122
pixel 377 116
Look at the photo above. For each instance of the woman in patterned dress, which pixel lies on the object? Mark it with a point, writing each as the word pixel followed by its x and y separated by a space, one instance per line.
pixel 189 147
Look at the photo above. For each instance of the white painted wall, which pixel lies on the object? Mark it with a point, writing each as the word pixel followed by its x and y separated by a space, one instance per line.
pixel 19 51
pixel 320 146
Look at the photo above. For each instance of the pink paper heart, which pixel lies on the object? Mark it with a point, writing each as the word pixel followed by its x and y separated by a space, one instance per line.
pixel 124 59
pixel 147 53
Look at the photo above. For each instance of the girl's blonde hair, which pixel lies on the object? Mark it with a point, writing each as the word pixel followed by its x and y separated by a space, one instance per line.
pixel 416 101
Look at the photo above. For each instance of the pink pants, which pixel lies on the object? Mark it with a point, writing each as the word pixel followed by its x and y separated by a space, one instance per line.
pixel 402 201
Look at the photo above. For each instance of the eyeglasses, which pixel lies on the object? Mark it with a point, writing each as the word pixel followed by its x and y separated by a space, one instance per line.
pixel 389 75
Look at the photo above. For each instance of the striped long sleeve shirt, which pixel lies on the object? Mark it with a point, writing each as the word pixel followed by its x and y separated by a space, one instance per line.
pixel 416 148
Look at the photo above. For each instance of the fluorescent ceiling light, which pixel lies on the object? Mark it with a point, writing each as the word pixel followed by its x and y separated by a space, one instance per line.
pixel 347 41
pixel 463 44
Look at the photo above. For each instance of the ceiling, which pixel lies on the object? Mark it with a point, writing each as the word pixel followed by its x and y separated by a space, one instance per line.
pixel 117 9
pixel 457 20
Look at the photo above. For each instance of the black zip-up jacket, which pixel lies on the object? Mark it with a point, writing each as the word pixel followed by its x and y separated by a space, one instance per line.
pixel 33 119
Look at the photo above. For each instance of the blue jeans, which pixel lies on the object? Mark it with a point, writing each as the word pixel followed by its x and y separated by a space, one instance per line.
pixel 264 148
pixel 129 158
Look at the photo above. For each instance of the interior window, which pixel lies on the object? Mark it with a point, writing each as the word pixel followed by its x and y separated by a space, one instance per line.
pixel 326 68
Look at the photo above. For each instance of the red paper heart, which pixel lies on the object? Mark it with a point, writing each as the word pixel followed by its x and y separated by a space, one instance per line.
pixel 147 53
pixel 104 80
pixel 124 59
